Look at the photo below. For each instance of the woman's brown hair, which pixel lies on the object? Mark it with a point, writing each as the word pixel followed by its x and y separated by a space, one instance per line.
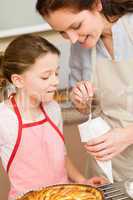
pixel 20 54
pixel 111 8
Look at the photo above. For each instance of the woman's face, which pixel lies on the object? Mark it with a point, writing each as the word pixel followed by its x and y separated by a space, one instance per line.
pixel 85 26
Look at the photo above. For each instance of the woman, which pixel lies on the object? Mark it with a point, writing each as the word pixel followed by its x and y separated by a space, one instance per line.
pixel 105 28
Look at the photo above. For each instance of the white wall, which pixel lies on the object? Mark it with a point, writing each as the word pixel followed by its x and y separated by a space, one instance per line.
pixel 18 13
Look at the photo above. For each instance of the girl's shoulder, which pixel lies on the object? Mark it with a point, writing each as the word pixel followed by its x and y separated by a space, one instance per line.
pixel 6 114
pixel 53 110
pixel 3 109
pixel 8 124
pixel 52 106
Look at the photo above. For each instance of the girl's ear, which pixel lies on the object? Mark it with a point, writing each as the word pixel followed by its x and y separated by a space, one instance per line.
pixel 17 80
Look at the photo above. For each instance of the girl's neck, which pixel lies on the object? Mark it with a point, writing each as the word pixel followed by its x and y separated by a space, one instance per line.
pixel 29 107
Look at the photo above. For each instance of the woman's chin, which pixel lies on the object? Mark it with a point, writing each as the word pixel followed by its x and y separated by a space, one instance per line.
pixel 89 43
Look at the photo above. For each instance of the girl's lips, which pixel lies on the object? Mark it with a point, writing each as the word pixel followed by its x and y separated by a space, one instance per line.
pixel 51 91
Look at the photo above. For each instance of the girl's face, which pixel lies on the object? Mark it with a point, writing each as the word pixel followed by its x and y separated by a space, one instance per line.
pixel 85 26
pixel 41 80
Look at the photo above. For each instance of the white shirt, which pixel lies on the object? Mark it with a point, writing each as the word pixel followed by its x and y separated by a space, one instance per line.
pixel 80 59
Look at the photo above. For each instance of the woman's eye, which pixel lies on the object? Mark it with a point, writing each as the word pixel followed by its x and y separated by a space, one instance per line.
pixel 77 27
pixel 64 34
pixel 57 73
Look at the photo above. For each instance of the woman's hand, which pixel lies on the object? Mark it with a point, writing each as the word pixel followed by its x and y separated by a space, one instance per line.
pixel 80 95
pixel 110 144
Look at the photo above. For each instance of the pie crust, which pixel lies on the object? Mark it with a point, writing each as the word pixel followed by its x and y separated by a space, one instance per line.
pixel 65 192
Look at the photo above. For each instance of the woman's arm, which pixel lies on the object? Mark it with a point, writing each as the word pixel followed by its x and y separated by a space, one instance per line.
pixel 79 64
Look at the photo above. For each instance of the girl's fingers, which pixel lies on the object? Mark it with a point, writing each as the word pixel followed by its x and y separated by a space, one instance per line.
pixel 97 180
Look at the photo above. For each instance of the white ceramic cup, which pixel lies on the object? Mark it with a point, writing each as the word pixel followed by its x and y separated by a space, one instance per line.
pixel 93 128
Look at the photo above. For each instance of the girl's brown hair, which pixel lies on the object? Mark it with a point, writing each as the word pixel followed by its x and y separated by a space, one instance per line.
pixel 111 8
pixel 21 53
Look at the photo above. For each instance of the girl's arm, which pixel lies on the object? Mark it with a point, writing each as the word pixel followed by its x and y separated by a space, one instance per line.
pixel 75 176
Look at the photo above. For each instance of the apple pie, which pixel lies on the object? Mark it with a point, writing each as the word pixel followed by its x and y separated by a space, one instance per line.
pixel 65 192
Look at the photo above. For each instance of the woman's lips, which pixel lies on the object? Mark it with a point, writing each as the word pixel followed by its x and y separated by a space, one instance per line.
pixel 84 40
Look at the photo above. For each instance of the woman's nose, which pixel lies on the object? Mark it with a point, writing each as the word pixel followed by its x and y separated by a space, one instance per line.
pixel 72 36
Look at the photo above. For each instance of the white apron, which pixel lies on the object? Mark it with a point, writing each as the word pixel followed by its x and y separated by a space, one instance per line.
pixel 114 83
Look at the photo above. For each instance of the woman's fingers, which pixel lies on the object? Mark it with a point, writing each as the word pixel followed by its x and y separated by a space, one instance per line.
pixel 86 89
pixel 90 89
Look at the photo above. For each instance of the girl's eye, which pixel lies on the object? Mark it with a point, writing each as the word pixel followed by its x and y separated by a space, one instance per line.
pixel 57 73
pixel 45 78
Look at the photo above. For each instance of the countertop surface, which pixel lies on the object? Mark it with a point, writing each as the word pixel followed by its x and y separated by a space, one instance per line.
pixel 71 115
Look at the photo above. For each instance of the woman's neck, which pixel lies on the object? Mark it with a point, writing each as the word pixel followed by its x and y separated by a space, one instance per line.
pixel 107 30
pixel 107 37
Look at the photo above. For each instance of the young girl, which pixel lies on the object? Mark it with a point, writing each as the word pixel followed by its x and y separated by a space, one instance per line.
pixel 31 140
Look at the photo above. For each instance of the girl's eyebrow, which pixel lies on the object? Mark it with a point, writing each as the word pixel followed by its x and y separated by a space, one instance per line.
pixel 50 70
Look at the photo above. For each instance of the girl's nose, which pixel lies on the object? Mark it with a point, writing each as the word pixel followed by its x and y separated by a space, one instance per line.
pixel 54 80
pixel 72 35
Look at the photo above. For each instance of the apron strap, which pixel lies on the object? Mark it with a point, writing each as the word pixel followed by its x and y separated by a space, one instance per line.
pixel 52 123
pixel 19 133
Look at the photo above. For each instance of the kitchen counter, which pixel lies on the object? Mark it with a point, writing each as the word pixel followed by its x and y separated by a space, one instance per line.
pixel 115 191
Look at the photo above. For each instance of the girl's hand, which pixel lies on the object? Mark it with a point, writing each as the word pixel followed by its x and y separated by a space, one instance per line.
pixel 95 181
pixel 110 144
pixel 81 93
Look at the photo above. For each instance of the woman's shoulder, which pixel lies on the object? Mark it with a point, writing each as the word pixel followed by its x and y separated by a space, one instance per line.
pixel 129 19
